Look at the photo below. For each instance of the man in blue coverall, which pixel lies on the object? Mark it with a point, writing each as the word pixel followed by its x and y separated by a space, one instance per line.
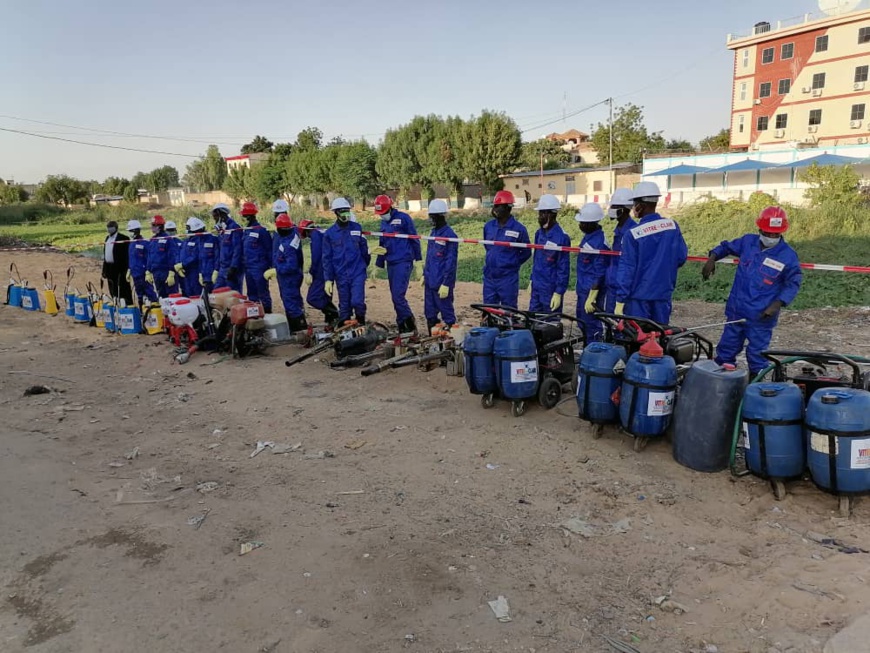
pixel 591 269
pixel 768 278
pixel 620 210
pixel 230 257
pixel 208 248
pixel 345 261
pixel 550 268
pixel 652 253
pixel 288 261
pixel 317 297
pixel 161 258
pixel 439 274
pixel 399 255
pixel 256 257
pixel 138 262
pixel 187 268
pixel 501 268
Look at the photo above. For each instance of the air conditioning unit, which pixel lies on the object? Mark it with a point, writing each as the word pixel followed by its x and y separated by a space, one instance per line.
pixel 757 101
pixel 806 89
pixel 812 129
pixel 810 140
pixel 817 92
pixel 854 124
pixel 859 86
pixel 779 133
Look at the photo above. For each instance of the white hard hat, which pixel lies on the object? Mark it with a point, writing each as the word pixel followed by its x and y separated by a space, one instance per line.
pixel 195 224
pixel 548 203
pixel 590 212
pixel 622 197
pixel 280 206
pixel 220 207
pixel 647 191
pixel 133 224
pixel 170 225
pixel 438 206
pixel 339 203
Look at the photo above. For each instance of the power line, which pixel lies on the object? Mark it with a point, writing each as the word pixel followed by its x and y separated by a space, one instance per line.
pixel 111 147
pixel 565 116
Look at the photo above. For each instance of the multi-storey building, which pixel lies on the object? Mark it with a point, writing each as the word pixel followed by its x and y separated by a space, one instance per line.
pixel 802 85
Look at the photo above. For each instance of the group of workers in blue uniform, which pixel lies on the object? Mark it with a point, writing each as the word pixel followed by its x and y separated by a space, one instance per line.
pixel 636 278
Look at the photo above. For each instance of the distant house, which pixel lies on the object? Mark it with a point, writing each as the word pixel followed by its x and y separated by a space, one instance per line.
pixel 574 186
pixel 577 144
pixel 245 160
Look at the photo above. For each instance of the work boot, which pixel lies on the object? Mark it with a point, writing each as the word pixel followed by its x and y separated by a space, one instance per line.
pixel 430 324
pixel 361 319
pixel 330 313
pixel 410 325
pixel 297 324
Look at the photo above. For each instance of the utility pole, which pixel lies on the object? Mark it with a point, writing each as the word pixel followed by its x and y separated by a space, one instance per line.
pixel 612 180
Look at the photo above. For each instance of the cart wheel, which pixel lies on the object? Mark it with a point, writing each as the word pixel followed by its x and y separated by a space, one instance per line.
pixel 845 506
pixel 549 393
pixel 779 492
pixel 487 400
pixel 640 444
pixel 597 431
pixel 518 408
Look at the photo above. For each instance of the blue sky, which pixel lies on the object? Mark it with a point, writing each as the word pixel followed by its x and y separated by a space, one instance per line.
pixel 224 71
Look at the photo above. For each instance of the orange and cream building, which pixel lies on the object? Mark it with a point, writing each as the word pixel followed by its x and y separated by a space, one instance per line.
pixel 802 85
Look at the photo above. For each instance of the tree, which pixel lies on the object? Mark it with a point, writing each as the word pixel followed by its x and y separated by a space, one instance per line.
pixel 207 173
pixel 491 145
pixel 131 193
pixel 12 193
pixel 310 138
pixel 553 154
pixel 443 163
pixel 162 178
pixel 267 179
pixel 115 185
pixel 62 189
pixel 236 185
pixel 355 174
pixel 259 144
pixel 832 185
pixel 717 142
pixel 631 139
pixel 679 145
pixel 397 165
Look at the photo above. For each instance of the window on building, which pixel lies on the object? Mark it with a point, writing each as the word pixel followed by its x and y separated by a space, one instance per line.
pixel 597 186
pixel 742 91
pixel 819 80
pixel 525 182
pixel 784 86
pixel 741 121
pixel 517 186
pixel 539 186
pixel 746 58
pixel 767 55
pixel 861 73
pixel 762 123
pixel 864 35
pixel 815 117
pixel 822 43
pixel 858 111
pixel 781 120
pixel 764 90
pixel 569 178
pixel 787 51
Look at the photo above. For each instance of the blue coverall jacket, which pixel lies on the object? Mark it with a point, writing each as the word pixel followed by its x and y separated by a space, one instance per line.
pixel 501 268
pixel 345 260
pixel 162 256
pixel 613 264
pixel 138 266
pixel 288 261
pixel 550 269
pixel 399 259
pixel 591 273
pixel 440 270
pixel 317 297
pixel 257 258
pixel 230 256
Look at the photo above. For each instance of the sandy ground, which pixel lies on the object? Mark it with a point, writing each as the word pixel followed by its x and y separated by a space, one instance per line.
pixel 397 544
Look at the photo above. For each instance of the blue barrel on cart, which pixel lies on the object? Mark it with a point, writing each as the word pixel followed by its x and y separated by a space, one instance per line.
pixel 773 430
pixel 838 443
pixel 516 364
pixel 479 364
pixel 597 381
pixel 646 402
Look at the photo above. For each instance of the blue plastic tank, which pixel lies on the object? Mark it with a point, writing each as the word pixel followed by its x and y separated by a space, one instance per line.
pixel 773 430
pixel 704 416
pixel 516 364
pixel 838 443
pixel 83 312
pixel 15 295
pixel 479 365
pixel 70 299
pixel 596 382
pixel 30 299
pixel 649 387
pixel 109 316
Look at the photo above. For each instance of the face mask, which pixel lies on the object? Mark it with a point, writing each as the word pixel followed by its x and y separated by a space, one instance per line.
pixel 251 219
pixel 501 212
pixel 112 231
pixel 343 216
pixel 155 230
pixel 769 242
pixel 284 232
pixel 171 232
pixel 613 213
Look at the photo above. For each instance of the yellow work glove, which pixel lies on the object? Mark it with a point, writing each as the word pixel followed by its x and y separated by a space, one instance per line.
pixel 379 251
pixel 149 277
pixel 555 301
pixel 327 287
pixel 170 278
pixel 214 276
pixel 443 291
pixel 179 269
pixel 201 280
pixel 270 274
pixel 620 307
pixel 422 282
pixel 129 277
pixel 590 301
pixel 308 279
pixel 418 270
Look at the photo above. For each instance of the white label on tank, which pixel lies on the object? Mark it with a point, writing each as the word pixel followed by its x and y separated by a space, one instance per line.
pixel 151 321
pixel 860 454
pixel 126 321
pixel 522 372
pixel 273 334
pixel 660 403
pixel 80 309
pixel 27 301
pixel 253 311
pixel 745 427
pixel 819 442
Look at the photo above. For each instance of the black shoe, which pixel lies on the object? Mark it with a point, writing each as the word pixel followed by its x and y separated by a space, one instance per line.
pixel 430 324
pixel 297 324
pixel 361 319
pixel 330 313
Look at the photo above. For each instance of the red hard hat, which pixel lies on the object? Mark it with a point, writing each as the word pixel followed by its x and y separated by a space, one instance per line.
pixel 283 221
pixel 503 197
pixel 249 208
pixel 383 204
pixel 158 221
pixel 773 220
pixel 304 226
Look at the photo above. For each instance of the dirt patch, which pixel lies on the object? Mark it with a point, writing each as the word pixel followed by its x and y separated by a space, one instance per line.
pixel 137 546
pixel 47 623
